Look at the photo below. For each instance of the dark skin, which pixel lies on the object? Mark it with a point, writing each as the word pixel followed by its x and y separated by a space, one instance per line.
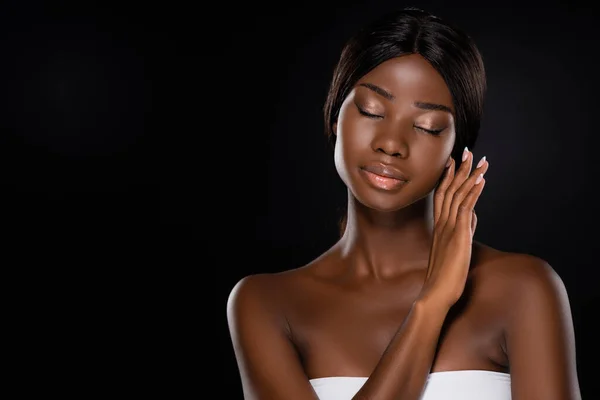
pixel 359 309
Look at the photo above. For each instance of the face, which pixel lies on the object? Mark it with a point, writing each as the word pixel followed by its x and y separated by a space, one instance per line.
pixel 395 133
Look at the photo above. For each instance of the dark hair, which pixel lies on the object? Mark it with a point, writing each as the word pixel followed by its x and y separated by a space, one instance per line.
pixel 413 31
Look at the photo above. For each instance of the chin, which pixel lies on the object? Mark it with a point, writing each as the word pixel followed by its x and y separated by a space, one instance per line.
pixel 388 201
pixel 384 202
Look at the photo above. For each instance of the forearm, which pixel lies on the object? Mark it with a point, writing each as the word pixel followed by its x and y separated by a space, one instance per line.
pixel 405 365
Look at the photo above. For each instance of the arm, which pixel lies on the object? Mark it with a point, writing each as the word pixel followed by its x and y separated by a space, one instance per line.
pixel 403 369
pixel 267 360
pixel 270 367
pixel 405 365
pixel 540 336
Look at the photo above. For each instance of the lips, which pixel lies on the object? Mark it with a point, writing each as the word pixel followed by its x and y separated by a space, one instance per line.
pixel 386 171
pixel 383 176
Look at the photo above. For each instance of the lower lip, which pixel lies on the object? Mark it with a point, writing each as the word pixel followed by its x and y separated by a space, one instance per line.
pixel 382 182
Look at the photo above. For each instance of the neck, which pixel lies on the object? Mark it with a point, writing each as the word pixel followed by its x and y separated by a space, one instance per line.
pixel 386 244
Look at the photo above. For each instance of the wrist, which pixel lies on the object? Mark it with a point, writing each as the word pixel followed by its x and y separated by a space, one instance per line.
pixel 430 303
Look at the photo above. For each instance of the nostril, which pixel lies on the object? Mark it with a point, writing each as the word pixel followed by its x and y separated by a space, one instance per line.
pixel 393 154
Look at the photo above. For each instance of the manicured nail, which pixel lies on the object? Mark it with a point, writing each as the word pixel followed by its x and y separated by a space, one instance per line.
pixel 465 153
pixel 481 162
pixel 479 178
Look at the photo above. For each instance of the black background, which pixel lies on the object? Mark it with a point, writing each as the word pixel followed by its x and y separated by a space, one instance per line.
pixel 154 155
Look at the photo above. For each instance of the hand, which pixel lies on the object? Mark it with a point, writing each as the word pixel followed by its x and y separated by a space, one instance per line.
pixel 454 226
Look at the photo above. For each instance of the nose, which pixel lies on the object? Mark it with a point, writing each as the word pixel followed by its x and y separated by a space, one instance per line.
pixel 392 140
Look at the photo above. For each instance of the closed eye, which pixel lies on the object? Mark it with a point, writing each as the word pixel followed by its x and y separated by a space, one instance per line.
pixel 367 114
pixel 430 131
pixel 375 116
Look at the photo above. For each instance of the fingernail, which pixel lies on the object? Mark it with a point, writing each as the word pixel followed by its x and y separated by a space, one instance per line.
pixel 481 162
pixel 465 153
pixel 479 178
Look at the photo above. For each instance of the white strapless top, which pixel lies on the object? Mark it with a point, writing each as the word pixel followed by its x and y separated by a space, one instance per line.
pixel 446 385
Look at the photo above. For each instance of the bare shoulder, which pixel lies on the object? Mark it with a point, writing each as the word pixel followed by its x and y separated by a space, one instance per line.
pixel 254 309
pixel 255 291
pixel 512 267
pixel 538 336
pixel 516 277
pixel 261 333
pixel 270 291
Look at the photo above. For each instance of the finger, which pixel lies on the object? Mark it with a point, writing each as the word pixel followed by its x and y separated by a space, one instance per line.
pixel 465 211
pixel 473 222
pixel 461 175
pixel 438 199
pixel 465 189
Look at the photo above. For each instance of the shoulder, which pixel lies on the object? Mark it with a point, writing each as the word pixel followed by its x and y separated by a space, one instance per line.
pixel 252 309
pixel 251 286
pixel 518 271
pixel 520 279
pixel 263 292
pixel 278 293
pixel 538 334
pixel 252 291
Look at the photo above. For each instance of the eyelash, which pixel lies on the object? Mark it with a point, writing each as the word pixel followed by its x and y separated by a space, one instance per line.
pixel 369 115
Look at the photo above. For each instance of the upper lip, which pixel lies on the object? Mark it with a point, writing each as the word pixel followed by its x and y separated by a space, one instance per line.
pixel 385 170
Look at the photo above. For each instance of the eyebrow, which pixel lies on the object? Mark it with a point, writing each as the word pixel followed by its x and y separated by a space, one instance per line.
pixel 419 104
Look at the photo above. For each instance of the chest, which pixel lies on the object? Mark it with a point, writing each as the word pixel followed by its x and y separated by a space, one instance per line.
pixel 345 334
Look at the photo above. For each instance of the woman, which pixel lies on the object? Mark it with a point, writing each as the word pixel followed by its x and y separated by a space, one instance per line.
pixel 406 305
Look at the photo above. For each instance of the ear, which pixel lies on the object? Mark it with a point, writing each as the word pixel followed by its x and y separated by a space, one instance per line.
pixel 334 129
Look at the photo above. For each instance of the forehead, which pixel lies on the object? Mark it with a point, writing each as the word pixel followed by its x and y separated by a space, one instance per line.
pixel 410 77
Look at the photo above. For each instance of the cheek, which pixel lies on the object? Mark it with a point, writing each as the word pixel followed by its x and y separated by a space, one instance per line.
pixel 431 156
pixel 355 140
pixel 354 134
pixel 352 145
pixel 348 147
